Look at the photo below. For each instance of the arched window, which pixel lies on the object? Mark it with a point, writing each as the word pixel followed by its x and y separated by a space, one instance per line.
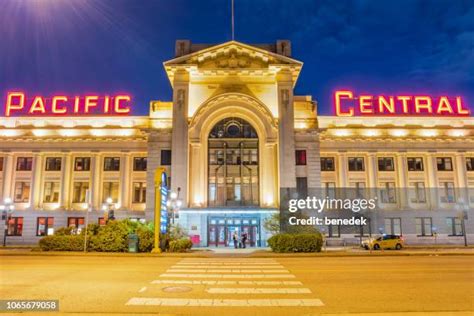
pixel 233 164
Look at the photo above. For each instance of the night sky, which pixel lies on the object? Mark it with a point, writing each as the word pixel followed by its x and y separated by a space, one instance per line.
pixel 378 47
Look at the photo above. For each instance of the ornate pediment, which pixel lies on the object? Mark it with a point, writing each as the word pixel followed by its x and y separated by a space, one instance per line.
pixel 232 56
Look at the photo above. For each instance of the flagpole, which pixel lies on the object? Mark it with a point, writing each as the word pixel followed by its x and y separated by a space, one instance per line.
pixel 233 25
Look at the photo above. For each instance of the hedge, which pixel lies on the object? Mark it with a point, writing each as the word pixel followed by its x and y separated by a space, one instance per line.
pixel 296 242
pixel 62 243
pixel 180 245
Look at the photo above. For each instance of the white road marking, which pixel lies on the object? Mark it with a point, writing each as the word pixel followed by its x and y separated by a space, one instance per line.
pixel 228 276
pixel 226 266
pixel 143 289
pixel 215 282
pixel 226 271
pixel 222 290
pixel 223 302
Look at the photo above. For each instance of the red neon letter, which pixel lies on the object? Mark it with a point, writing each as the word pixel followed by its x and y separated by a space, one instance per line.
pixel 76 104
pixel 117 107
pixel 90 101
pixel 10 106
pixel 386 105
pixel 54 106
pixel 444 106
pixel 423 103
pixel 365 104
pixel 461 110
pixel 37 106
pixel 404 99
pixel 106 104
pixel 337 98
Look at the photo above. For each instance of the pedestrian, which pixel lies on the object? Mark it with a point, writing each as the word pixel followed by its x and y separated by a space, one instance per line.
pixel 235 239
pixel 244 239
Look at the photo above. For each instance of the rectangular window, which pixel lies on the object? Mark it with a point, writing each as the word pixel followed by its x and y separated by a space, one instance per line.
pixel 454 226
pixel 15 226
pixel 22 192
pixel 444 164
pixel 447 193
pixel 356 164
pixel 45 226
pixel 139 163
pixel 53 164
pixel 300 157
pixel 76 222
pixel 386 164
pixel 82 164
pixel 334 231
pixel 24 163
pixel 139 192
pixel 111 190
pixel 327 164
pixel 357 190
pixel 417 192
pixel 415 163
pixel 470 163
pixel 393 226
pixel 111 164
pixel 51 192
pixel 166 157
pixel 79 192
pixel 388 193
pixel 424 226
pixel 302 187
pixel 329 189
pixel 1 164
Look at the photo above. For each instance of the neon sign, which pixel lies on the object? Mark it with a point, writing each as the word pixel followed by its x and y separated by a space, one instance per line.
pixel 346 103
pixel 18 103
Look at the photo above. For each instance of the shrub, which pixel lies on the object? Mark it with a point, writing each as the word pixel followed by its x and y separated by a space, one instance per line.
pixel 180 245
pixel 62 243
pixel 145 238
pixel 64 231
pixel 296 242
pixel 112 237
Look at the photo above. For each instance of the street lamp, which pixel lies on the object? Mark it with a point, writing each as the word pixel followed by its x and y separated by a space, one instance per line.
pixel 462 209
pixel 7 210
pixel 174 204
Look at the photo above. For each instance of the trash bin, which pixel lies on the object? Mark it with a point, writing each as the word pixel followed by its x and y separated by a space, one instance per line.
pixel 133 243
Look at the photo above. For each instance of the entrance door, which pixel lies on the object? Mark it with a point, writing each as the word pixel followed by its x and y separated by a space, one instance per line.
pixel 217 233
pixel 221 231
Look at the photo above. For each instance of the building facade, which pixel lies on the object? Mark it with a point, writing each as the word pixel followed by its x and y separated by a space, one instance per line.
pixel 232 137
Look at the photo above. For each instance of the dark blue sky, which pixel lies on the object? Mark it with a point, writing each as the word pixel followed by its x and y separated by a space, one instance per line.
pixel 80 46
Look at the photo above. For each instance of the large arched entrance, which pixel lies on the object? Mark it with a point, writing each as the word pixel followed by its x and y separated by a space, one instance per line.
pixel 233 175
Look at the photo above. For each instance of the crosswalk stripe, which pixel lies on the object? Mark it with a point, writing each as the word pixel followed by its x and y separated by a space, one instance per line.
pixel 227 271
pixel 223 302
pixel 251 265
pixel 228 276
pixel 216 282
pixel 221 290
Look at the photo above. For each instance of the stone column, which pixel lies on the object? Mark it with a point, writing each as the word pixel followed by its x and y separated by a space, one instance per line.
pixel 65 182
pixel 431 167
pixel 179 138
pixel 401 170
pixel 95 180
pixel 461 177
pixel 342 176
pixel 314 164
pixel 7 176
pixel 372 175
pixel 125 178
pixel 286 130
pixel 197 187
pixel 36 183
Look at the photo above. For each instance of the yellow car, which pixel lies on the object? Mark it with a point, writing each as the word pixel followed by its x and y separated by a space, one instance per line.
pixel 384 242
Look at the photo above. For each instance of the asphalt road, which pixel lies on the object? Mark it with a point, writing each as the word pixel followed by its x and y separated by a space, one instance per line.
pixel 331 285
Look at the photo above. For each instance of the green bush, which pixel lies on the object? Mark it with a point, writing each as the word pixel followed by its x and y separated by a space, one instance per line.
pixel 64 231
pixel 180 245
pixel 62 243
pixel 145 238
pixel 296 242
pixel 112 237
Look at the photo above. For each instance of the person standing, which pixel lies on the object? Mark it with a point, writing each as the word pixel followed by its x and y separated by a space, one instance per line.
pixel 244 239
pixel 235 239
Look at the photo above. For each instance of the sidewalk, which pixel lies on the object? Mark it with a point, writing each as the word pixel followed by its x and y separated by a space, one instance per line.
pixel 255 252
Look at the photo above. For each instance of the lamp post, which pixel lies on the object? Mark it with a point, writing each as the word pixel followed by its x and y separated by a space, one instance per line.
pixel 7 210
pixel 174 204
pixel 108 209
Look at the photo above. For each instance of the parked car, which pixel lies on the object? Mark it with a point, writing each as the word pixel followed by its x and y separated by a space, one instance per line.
pixel 384 242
